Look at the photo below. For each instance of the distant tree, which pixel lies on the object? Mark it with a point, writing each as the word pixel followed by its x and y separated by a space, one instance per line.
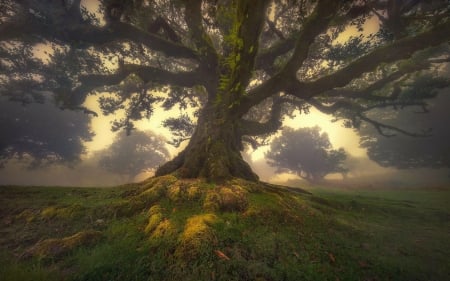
pixel 225 58
pixel 405 152
pixel 42 134
pixel 132 154
pixel 306 152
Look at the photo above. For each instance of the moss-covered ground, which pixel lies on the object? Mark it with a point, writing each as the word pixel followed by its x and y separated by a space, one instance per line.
pixel 170 229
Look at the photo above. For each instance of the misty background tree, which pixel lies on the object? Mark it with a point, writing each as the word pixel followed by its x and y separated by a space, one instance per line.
pixel 404 152
pixel 41 134
pixel 130 155
pixel 240 66
pixel 306 152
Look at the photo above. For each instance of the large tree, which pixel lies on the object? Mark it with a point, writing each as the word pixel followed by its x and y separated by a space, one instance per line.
pixel 242 64
pixel 307 152
pixel 134 154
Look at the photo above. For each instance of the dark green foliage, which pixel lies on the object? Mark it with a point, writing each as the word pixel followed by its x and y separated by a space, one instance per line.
pixel 42 134
pixel 181 127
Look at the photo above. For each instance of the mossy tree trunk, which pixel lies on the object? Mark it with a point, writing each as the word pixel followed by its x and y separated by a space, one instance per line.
pixel 213 151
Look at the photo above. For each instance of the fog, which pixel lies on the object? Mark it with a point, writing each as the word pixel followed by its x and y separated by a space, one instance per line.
pixel 363 172
pixel 88 174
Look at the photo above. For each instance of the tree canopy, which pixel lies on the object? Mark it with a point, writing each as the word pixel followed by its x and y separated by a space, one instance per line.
pixel 133 154
pixel 307 152
pixel 42 134
pixel 241 65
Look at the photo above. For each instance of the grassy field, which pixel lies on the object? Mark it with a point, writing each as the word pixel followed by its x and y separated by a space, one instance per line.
pixel 166 229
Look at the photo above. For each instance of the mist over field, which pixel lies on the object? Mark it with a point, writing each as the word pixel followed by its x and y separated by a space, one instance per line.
pixel 363 172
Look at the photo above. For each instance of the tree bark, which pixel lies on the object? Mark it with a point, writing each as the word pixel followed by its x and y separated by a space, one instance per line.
pixel 213 151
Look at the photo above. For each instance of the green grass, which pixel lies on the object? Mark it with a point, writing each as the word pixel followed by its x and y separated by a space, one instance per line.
pixel 333 234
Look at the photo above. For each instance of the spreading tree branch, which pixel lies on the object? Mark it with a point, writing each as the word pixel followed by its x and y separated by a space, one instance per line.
pixel 367 92
pixel 146 73
pixel 358 111
pixel 314 25
pixel 255 128
pixel 207 55
pixel 398 50
pixel 381 127
pixel 251 17
pixel 84 35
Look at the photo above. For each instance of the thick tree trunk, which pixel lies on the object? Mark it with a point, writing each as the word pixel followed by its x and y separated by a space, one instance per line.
pixel 213 151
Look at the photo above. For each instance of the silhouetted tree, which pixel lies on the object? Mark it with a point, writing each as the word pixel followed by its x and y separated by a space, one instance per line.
pixel 306 152
pixel 42 134
pixel 242 65
pixel 134 154
pixel 405 152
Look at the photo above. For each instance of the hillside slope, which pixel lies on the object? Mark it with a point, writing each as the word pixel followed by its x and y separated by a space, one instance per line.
pixel 170 229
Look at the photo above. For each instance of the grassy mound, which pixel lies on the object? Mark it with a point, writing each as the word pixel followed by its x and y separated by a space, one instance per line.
pixel 53 248
pixel 171 229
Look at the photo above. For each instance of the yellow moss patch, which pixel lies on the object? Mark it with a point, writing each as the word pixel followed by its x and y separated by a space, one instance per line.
pixel 48 212
pixel 153 222
pixel 56 247
pixel 174 192
pixel 27 215
pixel 154 210
pixel 162 181
pixel 197 233
pixel 127 208
pixel 193 192
pixel 233 198
pixel 65 212
pixel 246 185
pixel 153 194
pixel 164 228
pixel 226 198
pixel 212 201
pixel 155 188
